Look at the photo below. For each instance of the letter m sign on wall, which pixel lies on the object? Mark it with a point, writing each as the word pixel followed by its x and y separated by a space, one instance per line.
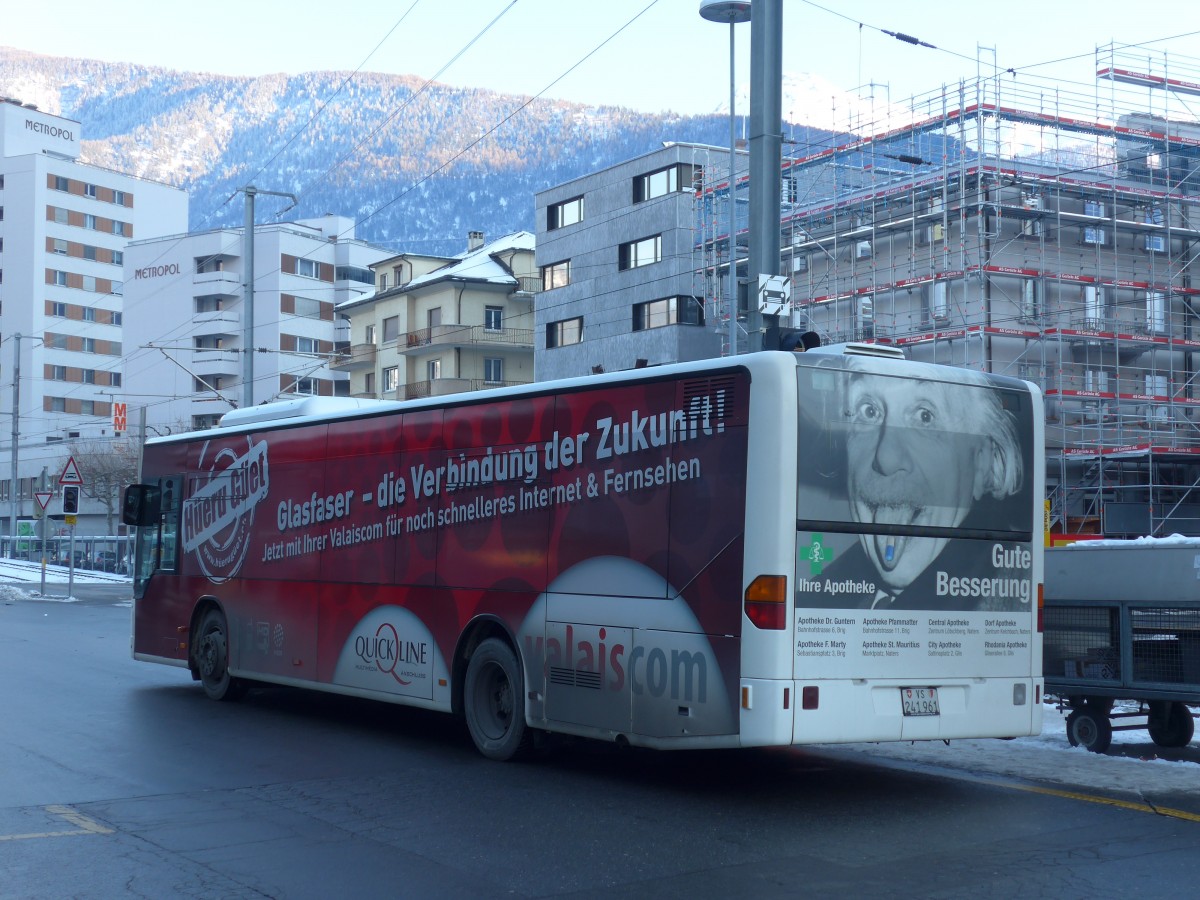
pixel 120 417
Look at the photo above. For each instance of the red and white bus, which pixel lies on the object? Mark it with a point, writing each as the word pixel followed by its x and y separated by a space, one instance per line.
pixel 730 553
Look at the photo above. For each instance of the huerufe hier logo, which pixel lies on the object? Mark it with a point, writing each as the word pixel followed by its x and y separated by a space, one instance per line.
pixel 218 516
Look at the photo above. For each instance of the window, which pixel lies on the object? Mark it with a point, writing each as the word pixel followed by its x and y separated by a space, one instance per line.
pixel 89 345
pixel 564 332
pixel 121 228
pixel 433 369
pixel 114 379
pixel 433 317
pixel 61 184
pixel 60 247
pixel 493 370
pixel 89 190
pixel 207 342
pixel 119 198
pixel 493 318
pixel 306 386
pixel 391 379
pixel 369 334
pixel 383 281
pixel 89 221
pixel 208 304
pixel 307 345
pixel 56 341
pixel 391 329
pixel 118 258
pixel 58 404
pixel 310 309
pixel 209 264
pixel 309 268
pixel 118 288
pixel 60 278
pixel 1091 234
pixel 60 215
pixel 662 182
pixel 668 311
pixel 89 312
pixel 89 284
pixel 556 275
pixel 114 318
pixel 353 273
pixel 89 252
pixel 89 376
pixel 87 407
pixel 369 383
pixel 58 373
pixel 1155 243
pixel 203 423
pixel 560 215
pixel 640 253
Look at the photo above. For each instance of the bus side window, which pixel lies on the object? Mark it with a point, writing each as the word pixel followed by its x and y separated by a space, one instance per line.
pixel 169 524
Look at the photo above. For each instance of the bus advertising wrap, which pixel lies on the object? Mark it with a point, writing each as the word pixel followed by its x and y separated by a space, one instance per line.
pixel 915 504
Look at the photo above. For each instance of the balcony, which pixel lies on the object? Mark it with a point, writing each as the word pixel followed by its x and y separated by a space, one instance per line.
pixel 440 387
pixel 529 284
pixel 223 283
pixel 355 358
pixel 216 362
pixel 217 322
pixel 415 342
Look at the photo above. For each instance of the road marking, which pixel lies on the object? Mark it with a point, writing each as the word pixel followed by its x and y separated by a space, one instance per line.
pixel 1109 801
pixel 83 825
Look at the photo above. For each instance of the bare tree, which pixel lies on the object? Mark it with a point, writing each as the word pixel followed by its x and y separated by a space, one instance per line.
pixel 106 468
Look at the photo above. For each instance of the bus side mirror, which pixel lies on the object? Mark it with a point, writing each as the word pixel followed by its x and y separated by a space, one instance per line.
pixel 141 505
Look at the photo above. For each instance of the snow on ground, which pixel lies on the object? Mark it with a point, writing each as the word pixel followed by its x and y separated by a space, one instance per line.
pixel 1132 764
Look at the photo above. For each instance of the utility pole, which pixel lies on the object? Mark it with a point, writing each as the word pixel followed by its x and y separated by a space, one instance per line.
pixel 766 159
pixel 16 412
pixel 248 290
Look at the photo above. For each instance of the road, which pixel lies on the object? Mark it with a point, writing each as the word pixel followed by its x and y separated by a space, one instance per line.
pixel 118 779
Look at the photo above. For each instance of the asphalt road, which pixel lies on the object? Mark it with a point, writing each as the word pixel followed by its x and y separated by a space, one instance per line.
pixel 118 779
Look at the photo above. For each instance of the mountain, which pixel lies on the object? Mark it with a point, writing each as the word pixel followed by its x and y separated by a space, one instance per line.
pixel 417 165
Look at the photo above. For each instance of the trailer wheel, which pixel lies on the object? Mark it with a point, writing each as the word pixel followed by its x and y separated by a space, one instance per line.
pixel 493 701
pixel 1089 729
pixel 212 658
pixel 1171 724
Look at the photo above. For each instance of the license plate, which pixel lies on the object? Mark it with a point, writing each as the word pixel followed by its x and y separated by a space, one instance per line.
pixel 919 701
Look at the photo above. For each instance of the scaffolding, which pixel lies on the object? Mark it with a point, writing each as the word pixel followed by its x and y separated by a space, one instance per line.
pixel 1026 229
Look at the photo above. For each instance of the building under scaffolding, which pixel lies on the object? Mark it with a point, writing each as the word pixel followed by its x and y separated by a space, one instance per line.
pixel 1026 231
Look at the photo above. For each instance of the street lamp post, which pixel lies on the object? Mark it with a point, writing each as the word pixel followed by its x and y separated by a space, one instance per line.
pixel 733 12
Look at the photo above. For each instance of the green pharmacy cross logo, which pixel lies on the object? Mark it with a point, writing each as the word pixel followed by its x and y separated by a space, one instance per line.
pixel 816 554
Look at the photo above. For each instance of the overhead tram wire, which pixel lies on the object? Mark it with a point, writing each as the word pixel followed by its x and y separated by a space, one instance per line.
pixel 407 102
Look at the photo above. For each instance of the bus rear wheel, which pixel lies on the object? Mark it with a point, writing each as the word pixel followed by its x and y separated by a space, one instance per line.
pixel 212 658
pixel 493 701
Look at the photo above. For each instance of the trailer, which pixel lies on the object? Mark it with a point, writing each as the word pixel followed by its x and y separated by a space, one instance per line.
pixel 1122 623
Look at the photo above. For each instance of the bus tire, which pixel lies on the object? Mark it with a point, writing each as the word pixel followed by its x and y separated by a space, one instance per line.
pixel 493 701
pixel 1089 729
pixel 212 658
pixel 1172 726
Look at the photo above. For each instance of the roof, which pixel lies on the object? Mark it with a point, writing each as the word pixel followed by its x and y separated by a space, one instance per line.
pixel 481 264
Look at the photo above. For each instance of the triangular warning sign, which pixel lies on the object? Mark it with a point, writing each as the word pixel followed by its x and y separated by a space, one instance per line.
pixel 70 473
pixel 43 498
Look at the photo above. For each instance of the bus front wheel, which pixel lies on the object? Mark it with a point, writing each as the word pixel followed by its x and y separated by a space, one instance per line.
pixel 212 658
pixel 493 701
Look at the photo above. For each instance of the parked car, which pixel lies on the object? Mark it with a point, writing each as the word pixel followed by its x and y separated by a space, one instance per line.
pixel 108 561
pixel 81 560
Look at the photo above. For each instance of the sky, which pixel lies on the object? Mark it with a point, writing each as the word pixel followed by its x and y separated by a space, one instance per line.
pixel 649 55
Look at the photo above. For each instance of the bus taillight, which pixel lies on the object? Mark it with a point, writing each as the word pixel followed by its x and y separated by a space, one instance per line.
pixel 766 602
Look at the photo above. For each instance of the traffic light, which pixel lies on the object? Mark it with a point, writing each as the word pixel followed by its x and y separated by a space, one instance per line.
pixel 70 499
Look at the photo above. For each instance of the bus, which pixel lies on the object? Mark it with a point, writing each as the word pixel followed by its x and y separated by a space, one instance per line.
pixel 771 549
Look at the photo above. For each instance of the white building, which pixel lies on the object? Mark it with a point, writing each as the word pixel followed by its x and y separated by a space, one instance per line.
pixel 186 326
pixel 64 227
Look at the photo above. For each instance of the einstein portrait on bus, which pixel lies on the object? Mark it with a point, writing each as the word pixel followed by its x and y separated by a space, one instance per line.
pixel 927 491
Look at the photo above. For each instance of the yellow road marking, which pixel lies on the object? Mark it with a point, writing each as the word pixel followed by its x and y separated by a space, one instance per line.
pixel 83 825
pixel 1109 801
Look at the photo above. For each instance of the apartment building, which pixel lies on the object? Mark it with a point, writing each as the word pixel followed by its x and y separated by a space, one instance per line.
pixel 441 325
pixel 187 332
pixel 64 229
pixel 622 269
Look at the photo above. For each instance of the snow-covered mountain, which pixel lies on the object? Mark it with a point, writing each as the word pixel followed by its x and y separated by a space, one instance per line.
pixel 418 166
